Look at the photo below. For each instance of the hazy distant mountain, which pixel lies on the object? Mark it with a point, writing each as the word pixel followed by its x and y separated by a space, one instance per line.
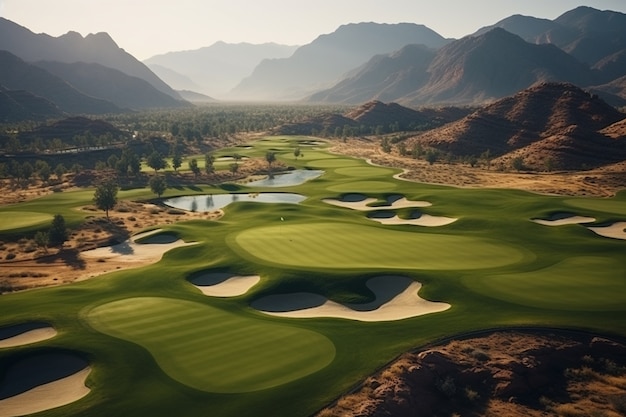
pixel 15 74
pixel 549 124
pixel 588 34
pixel 384 77
pixel 112 85
pixel 324 61
pixel 96 48
pixel 215 69
pixel 193 97
pixel 18 105
pixel 174 79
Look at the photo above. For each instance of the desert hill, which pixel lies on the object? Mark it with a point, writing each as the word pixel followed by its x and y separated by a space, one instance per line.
pixel 323 62
pixel 551 125
pixel 372 116
pixel 68 128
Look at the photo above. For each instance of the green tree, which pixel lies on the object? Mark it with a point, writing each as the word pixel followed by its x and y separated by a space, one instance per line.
pixel 431 156
pixel 156 161
pixel 105 197
pixel 234 167
pixel 59 170
pixel 209 161
pixel 385 145
pixel 41 239
pixel 43 170
pixel 270 157
pixel 417 151
pixel 58 234
pixel 158 185
pixel 193 166
pixel 177 161
pixel 517 163
pixel 26 171
pixel 297 152
pixel 402 149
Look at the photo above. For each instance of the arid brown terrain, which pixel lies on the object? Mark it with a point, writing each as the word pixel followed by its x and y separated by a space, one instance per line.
pixel 504 373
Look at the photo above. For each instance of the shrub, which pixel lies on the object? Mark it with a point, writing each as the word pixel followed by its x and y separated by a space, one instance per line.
pixel 10 256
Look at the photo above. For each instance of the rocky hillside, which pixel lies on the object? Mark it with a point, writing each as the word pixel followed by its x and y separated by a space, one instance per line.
pixel 19 105
pixel 375 115
pixel 548 126
pixel 513 374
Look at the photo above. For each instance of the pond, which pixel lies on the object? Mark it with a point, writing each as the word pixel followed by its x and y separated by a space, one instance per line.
pixel 210 202
pixel 295 177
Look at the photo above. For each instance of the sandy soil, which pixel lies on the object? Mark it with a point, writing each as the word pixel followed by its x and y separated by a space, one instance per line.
pixel 423 220
pixel 565 221
pixel 364 205
pixel 47 396
pixel 396 299
pixel 27 337
pixel 616 230
pixel 224 284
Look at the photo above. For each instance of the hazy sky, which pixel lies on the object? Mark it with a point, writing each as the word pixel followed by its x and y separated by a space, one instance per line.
pixel 149 27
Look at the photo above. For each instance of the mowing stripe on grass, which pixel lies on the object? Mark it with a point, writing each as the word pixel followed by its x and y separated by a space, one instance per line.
pixel 210 349
pixel 586 283
pixel 19 219
pixel 346 246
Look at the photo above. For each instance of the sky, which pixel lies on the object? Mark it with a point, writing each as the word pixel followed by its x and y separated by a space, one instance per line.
pixel 146 28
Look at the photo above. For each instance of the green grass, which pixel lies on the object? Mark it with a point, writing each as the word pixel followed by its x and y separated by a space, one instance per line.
pixel 159 347
pixel 212 350
pixel 345 246
pixel 24 219
pixel 562 286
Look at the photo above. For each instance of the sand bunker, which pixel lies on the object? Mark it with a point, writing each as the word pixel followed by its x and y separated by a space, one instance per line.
pixel 151 249
pixel 418 220
pixel 24 334
pixel 615 231
pixel 43 382
pixel 564 219
pixel 396 299
pixel 224 284
pixel 363 204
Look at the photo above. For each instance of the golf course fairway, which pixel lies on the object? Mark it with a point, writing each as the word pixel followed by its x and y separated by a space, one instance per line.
pixel 211 350
pixel 345 246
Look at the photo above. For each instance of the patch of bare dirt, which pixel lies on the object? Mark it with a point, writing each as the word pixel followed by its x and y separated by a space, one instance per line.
pixel 32 267
pixel 506 373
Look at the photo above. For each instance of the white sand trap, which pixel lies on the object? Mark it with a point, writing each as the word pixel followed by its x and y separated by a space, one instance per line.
pixel 364 205
pixel 24 334
pixel 423 220
pixel 42 383
pixel 561 221
pixel 224 284
pixel 396 299
pixel 151 250
pixel 615 231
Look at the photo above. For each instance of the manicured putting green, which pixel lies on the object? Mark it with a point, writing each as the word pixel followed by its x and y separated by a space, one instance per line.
pixel 347 246
pixel 212 350
pixel 19 219
pixel 584 283
pixel 363 187
pixel 364 171
pixel 333 163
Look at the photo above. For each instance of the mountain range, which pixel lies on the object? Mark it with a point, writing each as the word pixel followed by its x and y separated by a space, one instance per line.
pixel 405 63
pixel 497 61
